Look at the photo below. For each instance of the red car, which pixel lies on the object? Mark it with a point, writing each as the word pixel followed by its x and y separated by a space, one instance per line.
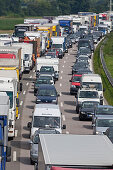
pixel 75 83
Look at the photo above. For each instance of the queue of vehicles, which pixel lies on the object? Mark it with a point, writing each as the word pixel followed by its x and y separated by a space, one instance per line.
pixel 42 45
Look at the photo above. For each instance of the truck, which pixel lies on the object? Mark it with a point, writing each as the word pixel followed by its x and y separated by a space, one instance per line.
pixel 26 55
pixel 9 85
pixel 59 42
pixel 5 150
pixel 13 74
pixel 48 61
pixel 74 151
pixel 21 28
pixel 67 25
pixel 12 56
pixel 55 28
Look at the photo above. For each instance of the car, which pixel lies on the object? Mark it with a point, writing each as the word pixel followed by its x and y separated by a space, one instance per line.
pixel 102 123
pixel 102 110
pixel 75 83
pixel 86 94
pixel 87 110
pixel 47 76
pixel 47 70
pixel 109 133
pixel 85 70
pixel 47 94
pixel 79 65
pixel 84 51
pixel 60 53
pixel 40 81
pixel 83 58
pixel 35 140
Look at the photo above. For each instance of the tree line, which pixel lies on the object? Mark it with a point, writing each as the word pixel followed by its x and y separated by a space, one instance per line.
pixel 50 7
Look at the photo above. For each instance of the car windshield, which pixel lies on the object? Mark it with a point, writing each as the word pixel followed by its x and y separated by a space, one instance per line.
pixel 88 94
pixel 43 121
pixel 83 44
pixel 46 69
pixel 104 111
pixel 47 92
pixel 97 86
pixel 85 50
pixel 76 79
pixel 89 104
pixel 43 81
pixel 57 45
pixel 104 122
pixel 46 77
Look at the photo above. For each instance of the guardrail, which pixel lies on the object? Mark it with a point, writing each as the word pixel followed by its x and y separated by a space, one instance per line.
pixel 108 75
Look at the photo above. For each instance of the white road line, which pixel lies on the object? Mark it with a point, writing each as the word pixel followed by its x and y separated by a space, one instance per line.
pixel 61 77
pixel 14 156
pixel 67 132
pixel 18 116
pixel 21 103
pixel 16 133
pixel 60 94
pixel 30 77
pixel 64 61
pixel 63 66
pixel 24 92
pixel 61 104
pixel 33 71
pixel 61 71
pixel 60 84
pixel 68 54
pixel 63 117
pixel 27 84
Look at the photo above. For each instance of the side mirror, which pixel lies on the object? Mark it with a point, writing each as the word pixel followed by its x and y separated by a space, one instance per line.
pixel 20 86
pixel 29 125
pixel 17 102
pixel 64 127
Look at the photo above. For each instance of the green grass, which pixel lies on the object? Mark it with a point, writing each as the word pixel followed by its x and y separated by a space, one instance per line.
pixel 108 94
pixel 9 23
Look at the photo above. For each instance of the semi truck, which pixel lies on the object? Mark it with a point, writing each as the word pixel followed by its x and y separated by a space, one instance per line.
pixel 5 150
pixel 67 25
pixel 74 151
pixel 26 55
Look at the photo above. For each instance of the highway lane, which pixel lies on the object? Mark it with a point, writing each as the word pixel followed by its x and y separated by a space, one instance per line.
pixel 20 145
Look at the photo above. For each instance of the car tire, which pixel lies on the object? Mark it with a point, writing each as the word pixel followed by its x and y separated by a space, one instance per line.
pixel 81 118
pixel 32 162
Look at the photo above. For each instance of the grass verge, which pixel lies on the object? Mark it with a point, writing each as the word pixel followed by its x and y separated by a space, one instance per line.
pixel 98 69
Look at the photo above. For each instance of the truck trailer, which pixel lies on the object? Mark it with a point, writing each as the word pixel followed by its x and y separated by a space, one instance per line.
pixel 75 151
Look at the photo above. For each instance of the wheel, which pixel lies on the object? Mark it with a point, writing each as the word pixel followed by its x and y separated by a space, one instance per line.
pixel 81 117
pixel 31 161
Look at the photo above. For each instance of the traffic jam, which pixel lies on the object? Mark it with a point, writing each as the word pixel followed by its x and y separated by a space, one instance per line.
pixel 37 52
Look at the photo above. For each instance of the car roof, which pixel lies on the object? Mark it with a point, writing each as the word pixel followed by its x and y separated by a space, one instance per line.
pixel 46 86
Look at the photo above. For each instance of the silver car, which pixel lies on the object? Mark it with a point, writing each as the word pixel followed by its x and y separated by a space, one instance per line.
pixel 35 140
pixel 102 123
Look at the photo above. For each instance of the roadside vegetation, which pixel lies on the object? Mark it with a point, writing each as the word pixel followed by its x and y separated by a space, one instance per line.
pixel 108 93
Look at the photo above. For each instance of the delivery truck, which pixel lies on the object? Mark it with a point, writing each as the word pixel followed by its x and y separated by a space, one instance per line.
pixel 74 151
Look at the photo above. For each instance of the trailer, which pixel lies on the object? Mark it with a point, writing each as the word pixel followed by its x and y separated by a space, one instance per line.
pixel 74 151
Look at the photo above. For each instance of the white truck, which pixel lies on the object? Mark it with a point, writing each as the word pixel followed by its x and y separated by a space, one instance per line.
pixel 26 55
pixel 48 61
pixel 46 115
pixel 57 152
pixel 93 79
pixel 59 42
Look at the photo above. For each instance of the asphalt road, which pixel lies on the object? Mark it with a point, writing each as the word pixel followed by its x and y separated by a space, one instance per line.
pixel 20 158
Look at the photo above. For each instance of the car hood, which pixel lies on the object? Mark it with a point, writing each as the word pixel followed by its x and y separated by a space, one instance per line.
pixel 89 99
pixel 101 129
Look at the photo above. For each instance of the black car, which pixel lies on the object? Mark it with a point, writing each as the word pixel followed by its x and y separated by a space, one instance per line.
pixel 87 109
pixel 39 82
pixel 79 65
pixel 84 51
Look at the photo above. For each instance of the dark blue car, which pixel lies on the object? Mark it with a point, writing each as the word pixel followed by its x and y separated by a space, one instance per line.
pixel 47 94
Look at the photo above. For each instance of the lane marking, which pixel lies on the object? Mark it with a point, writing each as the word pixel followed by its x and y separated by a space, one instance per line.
pixel 60 84
pixel 61 71
pixel 24 92
pixel 30 77
pixel 61 104
pixel 68 54
pixel 63 66
pixel 61 77
pixel 33 71
pixel 60 94
pixel 16 133
pixel 21 103
pixel 14 156
pixel 67 132
pixel 63 117
pixel 18 116
pixel 27 84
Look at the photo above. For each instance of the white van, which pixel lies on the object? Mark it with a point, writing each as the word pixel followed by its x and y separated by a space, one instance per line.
pixel 89 80
pixel 46 116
